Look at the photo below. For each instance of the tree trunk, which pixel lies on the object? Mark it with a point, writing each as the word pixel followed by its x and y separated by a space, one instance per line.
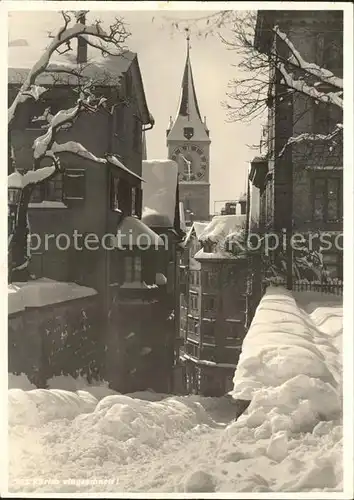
pixel 19 244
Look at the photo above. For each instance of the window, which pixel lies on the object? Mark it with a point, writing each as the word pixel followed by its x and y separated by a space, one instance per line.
pixel 195 278
pixel 193 302
pixel 210 279
pixel 193 326
pixel 326 194
pixel 235 330
pixel 50 190
pixel 322 121
pixel 329 49
pixel 132 268
pixel 74 184
pixel 121 195
pixel 208 328
pixel 209 303
pixel 333 263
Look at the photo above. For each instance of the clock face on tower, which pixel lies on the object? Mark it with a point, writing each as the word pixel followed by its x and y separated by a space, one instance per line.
pixel 192 162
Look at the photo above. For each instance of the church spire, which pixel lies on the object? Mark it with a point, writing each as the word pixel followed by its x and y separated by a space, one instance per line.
pixel 188 105
pixel 188 114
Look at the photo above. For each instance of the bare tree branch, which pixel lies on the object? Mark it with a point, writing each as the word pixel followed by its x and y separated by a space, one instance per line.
pixel 114 40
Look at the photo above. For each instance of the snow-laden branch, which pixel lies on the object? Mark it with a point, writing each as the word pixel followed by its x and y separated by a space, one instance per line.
pixel 308 137
pixel 313 69
pixel 45 145
pixel 111 42
pixel 77 149
pixel 334 98
pixel 17 180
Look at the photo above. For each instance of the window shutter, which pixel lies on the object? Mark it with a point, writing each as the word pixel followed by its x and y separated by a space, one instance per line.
pixel 138 201
pixel 74 184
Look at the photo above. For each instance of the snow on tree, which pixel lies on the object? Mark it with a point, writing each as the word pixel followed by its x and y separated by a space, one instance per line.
pixel 281 74
pixel 109 42
pixel 249 93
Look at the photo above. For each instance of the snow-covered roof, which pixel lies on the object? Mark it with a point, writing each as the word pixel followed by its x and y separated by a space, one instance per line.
pixel 196 228
pixel 159 192
pixel 43 291
pixel 106 70
pixel 217 255
pixel 221 232
pixel 102 70
pixel 132 232
pixel 117 163
pixel 222 226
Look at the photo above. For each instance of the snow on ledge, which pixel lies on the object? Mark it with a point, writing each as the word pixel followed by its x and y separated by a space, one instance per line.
pixel 47 204
pixel 288 356
pixel 137 285
pixel 43 292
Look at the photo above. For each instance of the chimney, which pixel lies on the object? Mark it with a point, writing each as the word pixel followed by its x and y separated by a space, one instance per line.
pixel 81 42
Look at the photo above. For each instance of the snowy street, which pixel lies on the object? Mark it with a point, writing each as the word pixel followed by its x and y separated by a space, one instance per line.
pixel 289 439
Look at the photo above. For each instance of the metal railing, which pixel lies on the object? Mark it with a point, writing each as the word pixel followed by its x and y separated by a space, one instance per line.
pixel 334 286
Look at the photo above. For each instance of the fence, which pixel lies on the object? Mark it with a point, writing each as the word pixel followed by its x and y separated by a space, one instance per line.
pixel 333 287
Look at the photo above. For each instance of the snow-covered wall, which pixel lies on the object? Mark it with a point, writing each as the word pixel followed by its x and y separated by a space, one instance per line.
pixel 290 361
pixel 159 192
pixel 51 328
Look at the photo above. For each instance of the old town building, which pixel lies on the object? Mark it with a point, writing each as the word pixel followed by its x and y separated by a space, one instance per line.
pixel 301 187
pixel 213 304
pixel 88 219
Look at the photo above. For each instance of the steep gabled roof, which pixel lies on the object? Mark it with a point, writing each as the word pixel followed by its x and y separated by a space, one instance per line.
pixel 103 71
pixel 188 114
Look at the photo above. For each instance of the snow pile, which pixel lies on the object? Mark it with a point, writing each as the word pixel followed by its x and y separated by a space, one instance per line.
pixel 159 192
pixel 132 232
pixel 288 440
pixel 196 229
pixel 222 232
pixel 288 366
pixel 221 226
pixel 43 291
pixel 19 382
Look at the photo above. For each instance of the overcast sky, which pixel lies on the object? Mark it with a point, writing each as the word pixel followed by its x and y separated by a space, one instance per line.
pixel 161 54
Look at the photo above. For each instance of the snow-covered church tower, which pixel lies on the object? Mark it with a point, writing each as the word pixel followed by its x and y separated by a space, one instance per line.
pixel 188 144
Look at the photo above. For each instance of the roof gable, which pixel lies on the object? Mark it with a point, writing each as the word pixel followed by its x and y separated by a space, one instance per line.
pixel 104 71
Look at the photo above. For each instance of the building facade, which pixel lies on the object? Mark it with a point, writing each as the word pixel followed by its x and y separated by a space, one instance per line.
pixel 188 144
pixel 301 187
pixel 161 213
pixel 213 306
pixel 92 213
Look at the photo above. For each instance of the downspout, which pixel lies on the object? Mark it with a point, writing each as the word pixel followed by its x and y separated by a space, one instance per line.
pixel 149 127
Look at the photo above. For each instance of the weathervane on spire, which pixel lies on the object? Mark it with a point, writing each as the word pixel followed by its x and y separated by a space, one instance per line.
pixel 188 38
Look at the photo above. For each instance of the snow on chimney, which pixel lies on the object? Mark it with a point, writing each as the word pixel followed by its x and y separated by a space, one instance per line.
pixel 81 43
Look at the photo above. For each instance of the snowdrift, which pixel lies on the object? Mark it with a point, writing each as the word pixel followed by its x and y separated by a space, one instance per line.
pixel 75 437
pixel 289 365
